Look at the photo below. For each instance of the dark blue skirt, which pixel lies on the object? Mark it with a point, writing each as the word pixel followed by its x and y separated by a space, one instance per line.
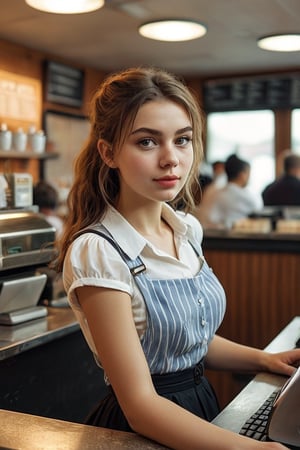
pixel 189 389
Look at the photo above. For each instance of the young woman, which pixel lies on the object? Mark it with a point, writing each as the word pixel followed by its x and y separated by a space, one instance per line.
pixel 147 302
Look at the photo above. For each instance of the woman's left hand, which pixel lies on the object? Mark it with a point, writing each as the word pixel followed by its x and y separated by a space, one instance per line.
pixel 224 354
pixel 283 363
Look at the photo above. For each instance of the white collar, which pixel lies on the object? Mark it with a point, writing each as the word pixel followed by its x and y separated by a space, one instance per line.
pixel 130 240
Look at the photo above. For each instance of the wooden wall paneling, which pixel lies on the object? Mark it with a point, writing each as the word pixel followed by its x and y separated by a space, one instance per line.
pixel 262 291
pixel 20 60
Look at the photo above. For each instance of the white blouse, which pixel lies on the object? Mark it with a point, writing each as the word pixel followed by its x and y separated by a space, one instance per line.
pixel 93 261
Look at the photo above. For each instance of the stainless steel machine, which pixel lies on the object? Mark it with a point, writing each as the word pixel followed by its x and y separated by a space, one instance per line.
pixel 26 245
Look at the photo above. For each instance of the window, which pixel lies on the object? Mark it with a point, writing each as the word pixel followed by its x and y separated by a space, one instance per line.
pixel 249 134
pixel 295 131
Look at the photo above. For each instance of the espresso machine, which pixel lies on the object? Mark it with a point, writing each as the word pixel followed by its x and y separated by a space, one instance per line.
pixel 26 248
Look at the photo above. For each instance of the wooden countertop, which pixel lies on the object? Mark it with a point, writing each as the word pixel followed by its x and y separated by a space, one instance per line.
pixel 28 432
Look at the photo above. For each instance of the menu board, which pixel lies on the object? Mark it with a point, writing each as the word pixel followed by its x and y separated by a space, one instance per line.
pixel 64 84
pixel 248 93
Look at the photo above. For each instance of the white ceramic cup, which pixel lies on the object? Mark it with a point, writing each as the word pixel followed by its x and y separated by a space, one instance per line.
pixel 5 140
pixel 38 143
pixel 19 141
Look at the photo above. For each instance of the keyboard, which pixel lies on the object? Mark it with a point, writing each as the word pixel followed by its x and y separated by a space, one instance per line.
pixel 256 426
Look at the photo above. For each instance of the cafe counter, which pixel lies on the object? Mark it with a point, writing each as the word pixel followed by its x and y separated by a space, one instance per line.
pixel 260 273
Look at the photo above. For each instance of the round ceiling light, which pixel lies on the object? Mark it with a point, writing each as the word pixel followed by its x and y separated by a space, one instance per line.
pixel 66 6
pixel 172 30
pixel 280 42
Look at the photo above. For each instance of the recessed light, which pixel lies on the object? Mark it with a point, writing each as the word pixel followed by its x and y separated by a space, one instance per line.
pixel 280 42
pixel 66 6
pixel 172 30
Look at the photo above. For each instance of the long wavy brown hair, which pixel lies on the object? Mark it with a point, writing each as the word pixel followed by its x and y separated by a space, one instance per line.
pixel 113 111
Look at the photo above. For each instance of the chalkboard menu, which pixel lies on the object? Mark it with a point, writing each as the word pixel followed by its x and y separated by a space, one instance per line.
pixel 64 84
pixel 248 93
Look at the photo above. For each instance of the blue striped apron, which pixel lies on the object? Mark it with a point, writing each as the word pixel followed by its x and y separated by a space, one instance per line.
pixel 182 317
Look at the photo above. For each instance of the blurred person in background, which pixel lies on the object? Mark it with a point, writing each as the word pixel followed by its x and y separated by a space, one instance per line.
pixel 218 181
pixel 234 201
pixel 285 190
pixel 219 174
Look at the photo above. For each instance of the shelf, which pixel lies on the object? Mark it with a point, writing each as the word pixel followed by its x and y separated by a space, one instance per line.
pixel 11 154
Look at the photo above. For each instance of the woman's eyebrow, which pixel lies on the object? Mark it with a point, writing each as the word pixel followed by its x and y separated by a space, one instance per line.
pixel 159 133
pixel 147 130
pixel 184 130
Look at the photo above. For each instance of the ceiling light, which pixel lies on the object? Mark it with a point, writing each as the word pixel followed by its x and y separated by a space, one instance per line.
pixel 172 30
pixel 66 6
pixel 280 42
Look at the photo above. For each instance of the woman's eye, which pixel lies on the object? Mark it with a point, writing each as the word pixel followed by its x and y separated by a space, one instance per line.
pixel 183 140
pixel 147 143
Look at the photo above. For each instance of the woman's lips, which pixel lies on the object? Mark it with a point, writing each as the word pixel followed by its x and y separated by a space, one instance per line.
pixel 167 182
